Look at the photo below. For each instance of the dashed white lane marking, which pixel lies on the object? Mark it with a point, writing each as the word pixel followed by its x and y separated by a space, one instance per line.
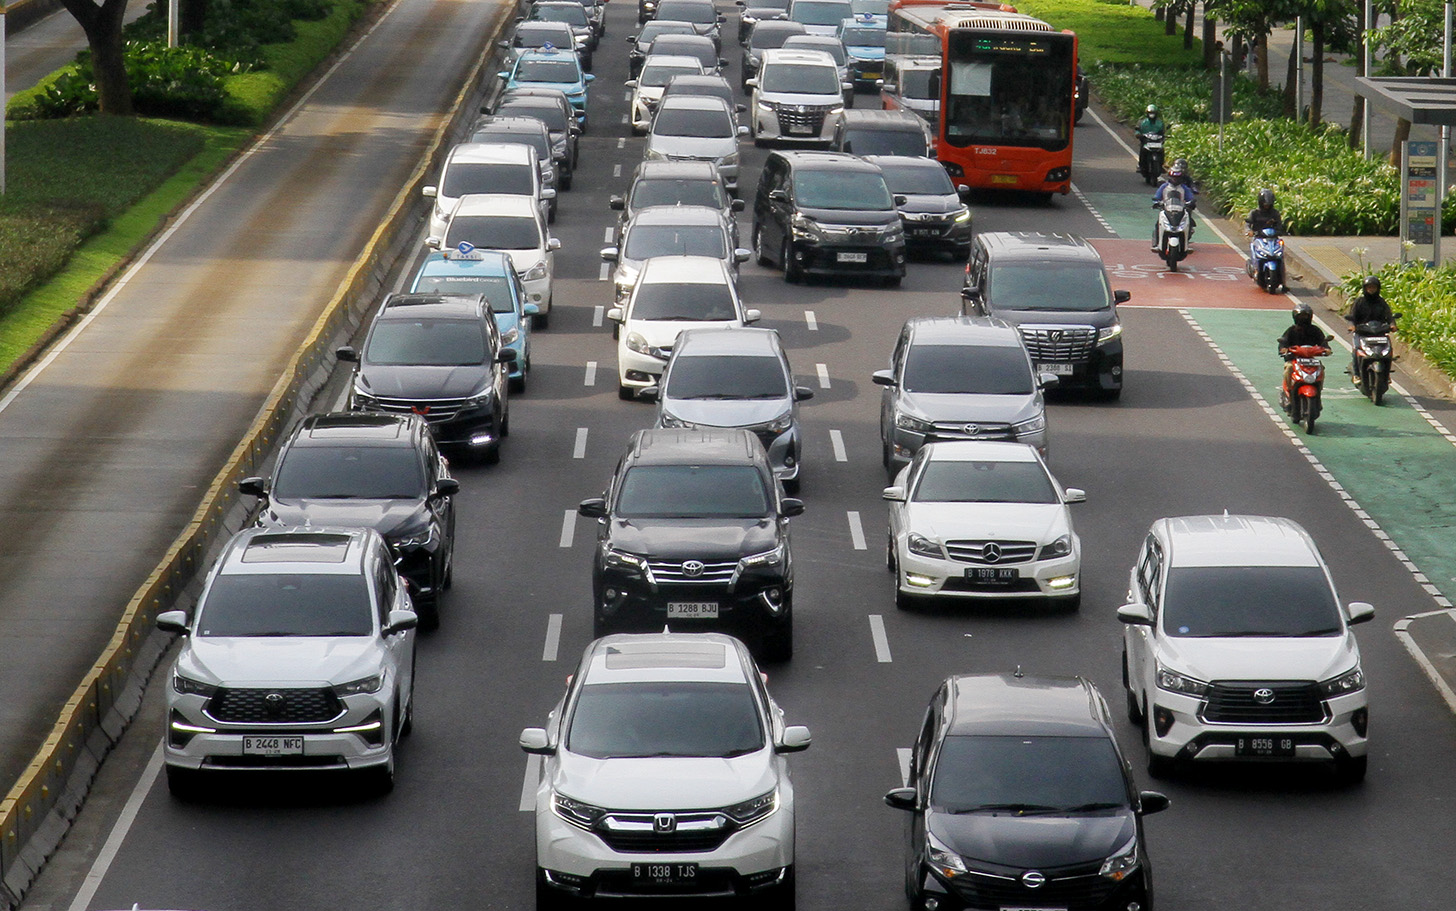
pixel 836 439
pixel 553 637
pixel 591 373
pixel 1082 197
pixel 124 822
pixel 579 450
pixel 882 642
pixel 811 321
pixel 616 170
pixel 621 142
pixel 902 754
pixel 823 375
pixel 568 527
pixel 607 234
pixel 599 313
pixel 602 273
pixel 624 118
pixel 856 530
pixel 530 783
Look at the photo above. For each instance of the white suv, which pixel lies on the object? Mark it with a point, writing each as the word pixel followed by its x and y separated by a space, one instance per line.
pixel 1236 647
pixel 796 96
pixel 300 656
pixel 665 776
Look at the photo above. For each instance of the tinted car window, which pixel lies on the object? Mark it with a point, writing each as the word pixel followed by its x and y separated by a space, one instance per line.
pixel 863 37
pixel 496 288
pixel 809 43
pixel 539 142
pixel 463 178
pixel 494 232
pixel 687 301
pixel 1210 601
pixel 286 605
pixel 991 773
pixel 654 27
pixel 727 377
pixel 692 491
pixel 350 472
pixel 687 11
pixel 623 720
pixel 1049 286
pixel 802 79
pixel 547 71
pixel 768 38
pixel 426 342
pixel 923 181
pixel 554 116
pixel 810 12
pixel 655 75
pixel 886 142
pixel 984 482
pixel 570 14
pixel 534 34
pixel 841 190
pixel 695 123
pixel 958 369
pixel 646 241
pixel 676 193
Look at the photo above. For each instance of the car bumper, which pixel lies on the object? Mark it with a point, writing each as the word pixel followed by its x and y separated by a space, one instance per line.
pixel 755 602
pixel 1084 890
pixel 194 741
pixel 767 125
pixel 1176 730
pixel 1103 370
pixel 938 237
pixel 637 369
pixel 831 258
pixel 1055 578
pixel 905 443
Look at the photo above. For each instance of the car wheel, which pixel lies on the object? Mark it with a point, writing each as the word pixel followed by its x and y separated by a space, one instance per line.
pixel 518 383
pixel 783 897
pixel 541 320
pixel 778 642
pixel 758 248
pixel 601 626
pixel 505 423
pixel 547 898
pixel 1071 604
pixel 903 599
pixel 791 486
pixel 1134 711
pixel 626 393
pixel 407 725
pixel 566 181
pixel 1158 766
pixel 184 784
pixel 428 608
pixel 1351 769
pixel 893 281
pixel 792 273
pixel 890 563
pixel 491 455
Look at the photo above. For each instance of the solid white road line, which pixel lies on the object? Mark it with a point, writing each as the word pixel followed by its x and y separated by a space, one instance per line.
pixel 836 439
pixel 823 370
pixel 109 850
pixel 591 373
pixel 882 642
pixel 903 755
pixel 856 530
pixel 553 637
pixel 579 450
pixel 599 313
pixel 811 320
pixel 568 527
pixel 528 787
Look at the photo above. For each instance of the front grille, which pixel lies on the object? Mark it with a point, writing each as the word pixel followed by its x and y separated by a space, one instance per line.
pixel 947 430
pixel 792 116
pixel 638 833
pixel 1082 888
pixel 682 571
pixel 991 553
pixel 1292 702
pixel 434 411
pixel 274 706
pixel 1054 344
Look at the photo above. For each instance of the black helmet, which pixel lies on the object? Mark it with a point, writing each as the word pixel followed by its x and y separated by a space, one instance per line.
pixel 1266 199
pixel 1371 284
pixel 1303 314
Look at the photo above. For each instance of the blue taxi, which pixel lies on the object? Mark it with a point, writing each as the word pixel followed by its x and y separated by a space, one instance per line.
pixel 467 270
pixel 551 68
pixel 863 37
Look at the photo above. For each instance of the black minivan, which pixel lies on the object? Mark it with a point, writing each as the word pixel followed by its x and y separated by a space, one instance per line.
pixel 1020 798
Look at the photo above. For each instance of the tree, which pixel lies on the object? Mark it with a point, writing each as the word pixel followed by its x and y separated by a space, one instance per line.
pixel 102 25
pixel 1412 45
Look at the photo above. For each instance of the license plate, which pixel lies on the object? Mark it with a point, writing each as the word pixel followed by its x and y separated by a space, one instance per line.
pixel 800 129
pixel 1264 746
pixel 1055 369
pixel 688 610
pixel 1003 180
pixel 272 746
pixel 664 874
pixel 1031 908
pixel 924 232
pixel 984 574
pixel 854 257
pixel 870 74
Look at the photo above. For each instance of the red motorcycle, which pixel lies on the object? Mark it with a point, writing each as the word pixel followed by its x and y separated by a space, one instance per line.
pixel 1299 395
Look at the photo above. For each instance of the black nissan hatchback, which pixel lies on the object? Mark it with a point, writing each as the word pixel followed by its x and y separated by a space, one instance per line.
pixel 1020 798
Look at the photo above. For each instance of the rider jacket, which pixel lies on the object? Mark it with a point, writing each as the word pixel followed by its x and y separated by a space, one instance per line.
pixel 1297 335
pixel 1190 193
pixel 1259 219
pixel 1369 307
pixel 1150 125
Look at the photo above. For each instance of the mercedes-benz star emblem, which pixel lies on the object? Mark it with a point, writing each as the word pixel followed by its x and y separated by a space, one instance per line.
pixel 1264 696
pixel 1033 879
pixel 991 552
pixel 693 567
pixel 664 823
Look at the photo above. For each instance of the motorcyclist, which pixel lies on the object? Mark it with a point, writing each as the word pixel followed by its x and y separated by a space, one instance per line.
pixel 1179 181
pixel 1369 306
pixel 1302 332
pixel 1264 215
pixel 1152 123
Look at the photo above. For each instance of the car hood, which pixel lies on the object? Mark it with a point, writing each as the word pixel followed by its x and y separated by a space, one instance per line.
pixel 1097 318
pixel 726 412
pixel 1262 658
pixel 937 205
pixel 1032 841
pixel 414 382
pixel 664 333
pixel 873 217
pixel 701 539
pixel 813 100
pixel 1040 522
pixel 650 92
pixel 279 660
pixel 974 408
pixel 384 516
pixel 693 146
pixel 665 783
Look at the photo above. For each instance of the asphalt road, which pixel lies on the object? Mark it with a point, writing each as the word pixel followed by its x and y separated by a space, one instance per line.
pixel 1185 438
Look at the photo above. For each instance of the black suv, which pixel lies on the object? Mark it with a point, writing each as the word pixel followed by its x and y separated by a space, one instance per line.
pixel 379 471
pixel 693 534
pixel 827 213
pixel 1054 289
pixel 438 356
pixel 1021 799
pixel 879 132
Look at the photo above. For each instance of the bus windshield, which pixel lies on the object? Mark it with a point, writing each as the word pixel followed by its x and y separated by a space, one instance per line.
pixel 1009 89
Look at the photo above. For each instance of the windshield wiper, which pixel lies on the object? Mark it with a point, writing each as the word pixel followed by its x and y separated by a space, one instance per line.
pixel 1020 808
pixel 1322 631
pixel 1087 807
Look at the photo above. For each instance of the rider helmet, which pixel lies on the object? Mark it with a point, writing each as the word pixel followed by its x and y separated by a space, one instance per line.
pixel 1179 170
pixel 1371 285
pixel 1303 314
pixel 1152 110
pixel 1266 199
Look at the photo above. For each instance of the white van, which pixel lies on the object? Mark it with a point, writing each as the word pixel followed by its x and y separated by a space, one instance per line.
pixel 486 167
pixel 796 96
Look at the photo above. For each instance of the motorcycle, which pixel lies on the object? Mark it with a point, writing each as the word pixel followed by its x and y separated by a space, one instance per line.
pixel 1266 260
pixel 1150 156
pixel 1299 395
pixel 1172 231
pixel 1373 357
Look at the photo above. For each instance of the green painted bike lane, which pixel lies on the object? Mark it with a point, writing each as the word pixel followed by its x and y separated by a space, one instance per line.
pixel 1393 462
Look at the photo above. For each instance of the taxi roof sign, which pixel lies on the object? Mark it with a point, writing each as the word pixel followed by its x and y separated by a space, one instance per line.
pixel 465 251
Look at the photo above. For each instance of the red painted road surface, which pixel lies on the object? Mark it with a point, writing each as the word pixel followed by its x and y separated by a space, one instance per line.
pixel 1211 276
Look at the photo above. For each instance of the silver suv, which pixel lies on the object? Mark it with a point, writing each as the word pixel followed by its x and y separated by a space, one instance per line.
pixel 300 656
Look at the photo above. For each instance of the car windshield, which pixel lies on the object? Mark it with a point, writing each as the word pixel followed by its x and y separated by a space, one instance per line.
pixel 494 232
pixel 863 37
pixel 693 492
pixel 769 36
pixel 550 114
pixel 810 43
pixel 677 192
pixel 694 123
pixel 286 604
pixel 350 472
pixel 819 12
pixel 984 482
pixel 656 27
pixel 910 143
pixel 918 84
pixel 801 79
pixel 465 177
pixel 874 7
pixel 851 189
pixel 727 376
pixel 767 4
pixel 1049 286
pixel 658 719
pixel 1219 601
pixel 1027 774
pixel 931 181
pixel 655 75
pixel 693 11
pixel 537 70
pixel 496 288
pixel 540 34
pixel 967 370
pixel 676 87
pixel 570 13
pixel 647 241
pixel 685 301
pixel 538 142
pixel 427 342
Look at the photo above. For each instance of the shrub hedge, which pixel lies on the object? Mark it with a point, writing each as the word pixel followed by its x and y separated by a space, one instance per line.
pixel 1426 299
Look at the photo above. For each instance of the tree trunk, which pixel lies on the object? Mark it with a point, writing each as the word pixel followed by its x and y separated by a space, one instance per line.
pixel 102 25
pixel 1170 20
pixel 1236 52
pixel 1263 61
pixel 1317 74
pixel 1210 39
pixel 1188 26
pixel 1158 13
pixel 1402 133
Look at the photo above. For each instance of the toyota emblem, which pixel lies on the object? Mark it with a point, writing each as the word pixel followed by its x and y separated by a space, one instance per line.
pixel 1033 879
pixel 664 823
pixel 1054 335
pixel 273 703
pixel 991 552
pixel 971 429
pixel 693 568
pixel 1264 696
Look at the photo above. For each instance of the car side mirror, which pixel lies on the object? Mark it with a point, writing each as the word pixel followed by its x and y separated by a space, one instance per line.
pixel 803 393
pixel 553 244
pixel 631 83
pixel 971 295
pixel 722 61
pixel 791 506
pixel 1359 612
pixel 742 130
pixel 429 192
pixel 963 191
pixel 737 205
pixel 884 86
pixel 172 621
pixel 530 310
pixel 548 193
pixel 610 254
pixel 589 78
pixel 883 378
pixel 1121 297
pixel 447 487
pixel 796 739
pixel 401 620
pixel 503 44
pixel 740 109
pixel 505 356
pixel 902 798
pixel 901 200
pixel 751 82
pixel 779 195
pixel 347 353
pixel 847 86
pixel 503 74
pixel 592 508
pixel 253 487
pixel 1074 495
pixel 893 494
pixel 1152 802
pixel 1136 614
pixel 617 203
pixel 752 316
pixel 1047 380
pixel 741 255
pixel 631 39
pixel 649 393
pixel 615 314
pixel 535 742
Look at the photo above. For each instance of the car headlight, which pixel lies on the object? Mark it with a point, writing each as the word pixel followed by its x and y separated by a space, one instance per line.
pixel 964 215
pixel 510 336
pixel 575 812
pixel 635 342
pixel 1174 682
pixel 1122 862
pixel 362 686
pixel 945 861
pixel 1034 425
pixel 755 810
pixel 913 424
pixel 419 538
pixel 765 107
pixel 923 546
pixel 781 423
pixel 480 399
pixel 362 401
pixel 535 273
pixel 729 160
pixel 672 420
pixel 1349 682
pixel 1061 547
pixel 655 155
pixel 1108 333
pixel 622 559
pixel 767 558
pixel 803 224
pixel 893 234
pixel 189 687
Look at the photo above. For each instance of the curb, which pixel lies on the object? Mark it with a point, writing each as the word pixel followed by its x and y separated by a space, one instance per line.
pixel 37 811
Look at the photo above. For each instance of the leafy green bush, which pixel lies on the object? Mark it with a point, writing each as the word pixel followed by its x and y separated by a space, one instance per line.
pixel 1426 298
pixel 1184 95
pixel 1113 31
pixel 235 30
pixel 182 82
